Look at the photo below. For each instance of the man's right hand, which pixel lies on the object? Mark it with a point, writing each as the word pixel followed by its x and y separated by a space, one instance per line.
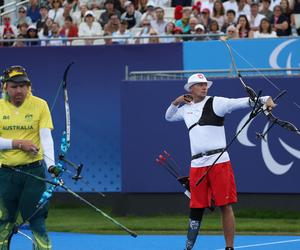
pixel 187 98
pixel 55 171
pixel 26 145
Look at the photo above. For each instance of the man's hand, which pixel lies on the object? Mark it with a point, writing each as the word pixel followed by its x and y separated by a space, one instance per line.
pixel 183 99
pixel 270 104
pixel 26 145
pixel 55 171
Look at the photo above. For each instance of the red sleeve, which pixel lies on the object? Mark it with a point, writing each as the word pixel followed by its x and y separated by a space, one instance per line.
pixel 73 32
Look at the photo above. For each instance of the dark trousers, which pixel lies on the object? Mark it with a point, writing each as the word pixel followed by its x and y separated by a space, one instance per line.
pixel 21 193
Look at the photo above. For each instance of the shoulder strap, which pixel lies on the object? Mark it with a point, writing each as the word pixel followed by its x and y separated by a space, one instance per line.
pixel 208 116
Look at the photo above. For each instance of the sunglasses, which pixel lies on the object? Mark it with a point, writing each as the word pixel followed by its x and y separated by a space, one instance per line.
pixel 22 11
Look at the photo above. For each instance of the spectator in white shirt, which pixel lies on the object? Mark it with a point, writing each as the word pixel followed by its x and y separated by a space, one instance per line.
pixel 265 30
pixel 149 14
pixel 56 13
pixel 161 3
pixel 89 27
pixel 78 16
pixel 230 5
pixel 54 36
pixel 123 34
pixel 255 17
pixel 160 23
pixel 145 31
pixel 243 8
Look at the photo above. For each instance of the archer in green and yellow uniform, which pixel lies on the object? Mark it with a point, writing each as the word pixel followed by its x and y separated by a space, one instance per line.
pixel 25 141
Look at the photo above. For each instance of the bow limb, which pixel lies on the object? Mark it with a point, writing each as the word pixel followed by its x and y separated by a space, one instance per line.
pixel 250 91
pixel 65 146
pixel 284 124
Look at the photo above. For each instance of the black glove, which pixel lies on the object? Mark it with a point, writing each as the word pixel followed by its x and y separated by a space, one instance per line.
pixel 55 171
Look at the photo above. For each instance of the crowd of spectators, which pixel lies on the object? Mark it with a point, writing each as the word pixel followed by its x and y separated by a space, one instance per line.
pixel 56 22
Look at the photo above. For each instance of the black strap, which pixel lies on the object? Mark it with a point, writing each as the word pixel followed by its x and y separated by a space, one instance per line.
pixel 209 117
pixel 28 165
pixel 210 152
pixel 195 124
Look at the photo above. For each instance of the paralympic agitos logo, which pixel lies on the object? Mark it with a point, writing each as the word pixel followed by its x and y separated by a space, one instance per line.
pixel 273 165
pixel 284 55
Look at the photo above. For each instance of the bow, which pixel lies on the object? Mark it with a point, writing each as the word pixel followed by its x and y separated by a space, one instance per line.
pixel 262 108
pixel 257 108
pixel 64 147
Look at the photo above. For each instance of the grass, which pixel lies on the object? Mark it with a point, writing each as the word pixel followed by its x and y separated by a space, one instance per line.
pixel 86 220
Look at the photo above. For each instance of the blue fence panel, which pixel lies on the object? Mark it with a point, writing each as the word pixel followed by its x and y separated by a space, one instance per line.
pixel 258 53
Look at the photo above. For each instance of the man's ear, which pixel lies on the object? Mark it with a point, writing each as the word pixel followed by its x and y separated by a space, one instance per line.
pixel 4 86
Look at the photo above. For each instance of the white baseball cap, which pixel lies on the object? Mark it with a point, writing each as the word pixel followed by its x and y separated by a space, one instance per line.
pixel 196 78
pixel 89 13
pixel 199 26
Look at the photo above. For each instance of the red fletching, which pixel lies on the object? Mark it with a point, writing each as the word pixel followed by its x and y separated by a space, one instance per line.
pixel 162 158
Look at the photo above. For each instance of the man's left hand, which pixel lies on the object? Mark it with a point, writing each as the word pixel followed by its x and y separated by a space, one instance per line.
pixel 270 104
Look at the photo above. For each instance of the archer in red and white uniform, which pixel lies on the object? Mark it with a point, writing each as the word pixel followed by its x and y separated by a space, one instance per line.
pixel 204 117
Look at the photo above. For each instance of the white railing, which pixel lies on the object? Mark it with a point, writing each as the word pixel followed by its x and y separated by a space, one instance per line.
pixel 212 73
pixel 98 40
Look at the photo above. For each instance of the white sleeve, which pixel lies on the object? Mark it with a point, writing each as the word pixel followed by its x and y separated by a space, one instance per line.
pixel 48 146
pixel 174 113
pixel 223 106
pixel 5 143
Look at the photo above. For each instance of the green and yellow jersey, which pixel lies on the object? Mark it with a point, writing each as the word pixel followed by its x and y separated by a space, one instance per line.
pixel 23 123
